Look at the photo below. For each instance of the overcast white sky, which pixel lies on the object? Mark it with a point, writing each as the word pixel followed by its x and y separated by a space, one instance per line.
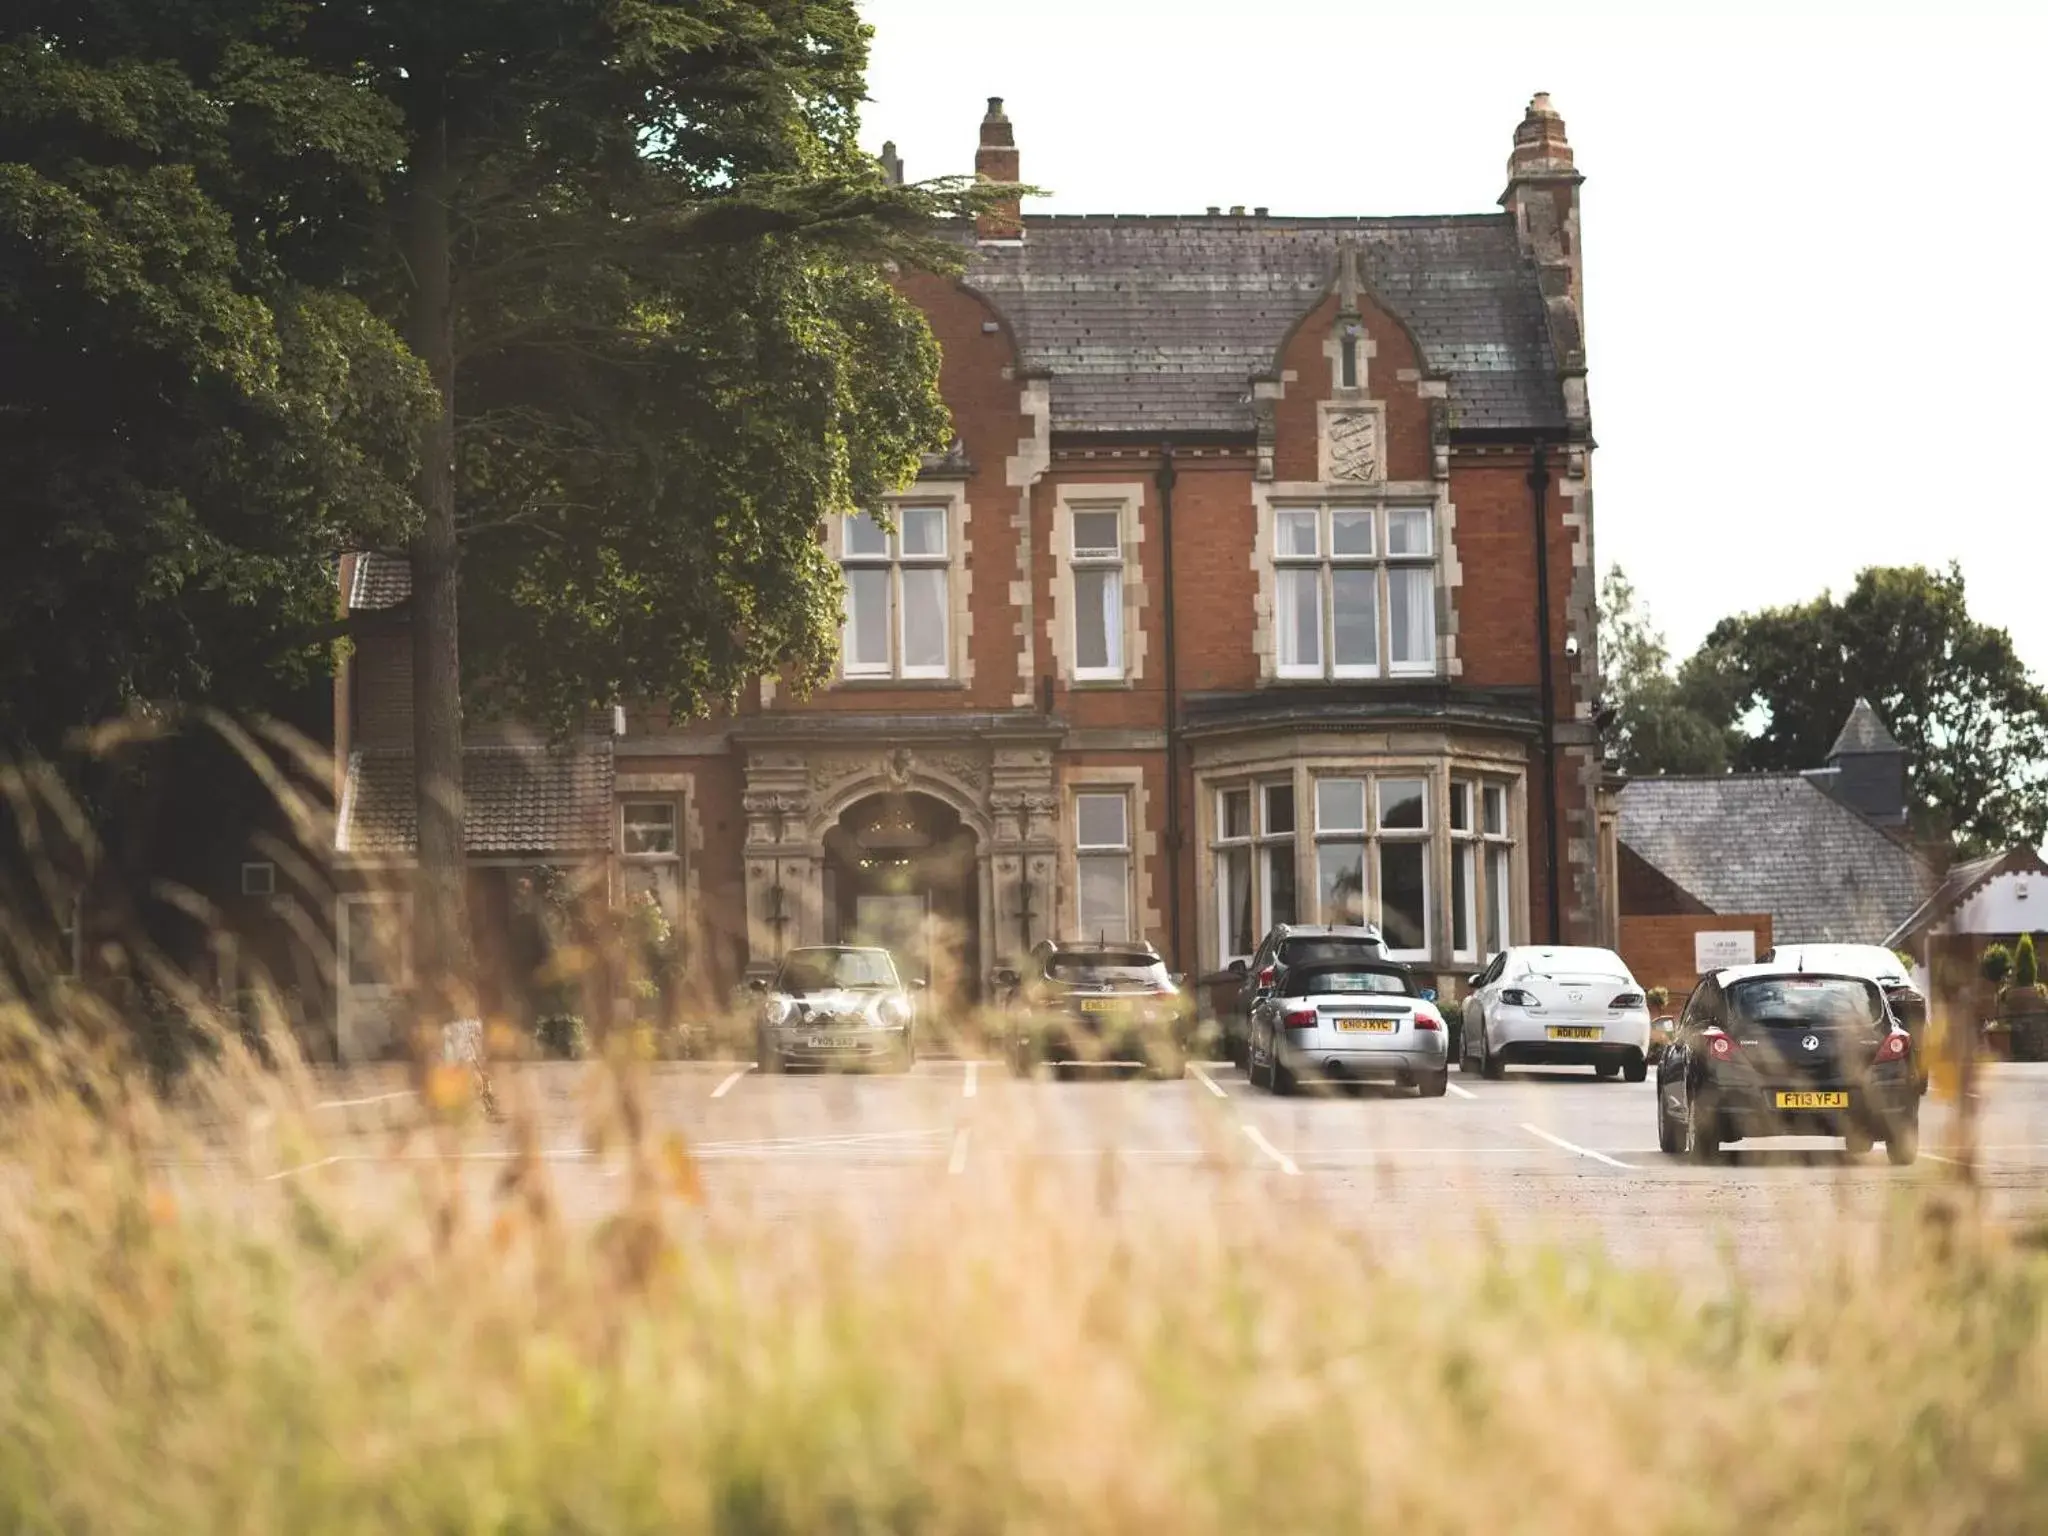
pixel 1815 265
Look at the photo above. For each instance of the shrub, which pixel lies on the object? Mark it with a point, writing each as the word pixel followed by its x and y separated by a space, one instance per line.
pixel 1658 998
pixel 2026 969
pixel 560 1035
pixel 1995 964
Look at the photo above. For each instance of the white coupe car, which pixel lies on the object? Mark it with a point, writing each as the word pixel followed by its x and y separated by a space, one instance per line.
pixel 1538 1005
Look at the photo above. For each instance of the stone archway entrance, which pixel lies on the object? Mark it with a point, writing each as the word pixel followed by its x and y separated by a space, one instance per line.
pixel 901 870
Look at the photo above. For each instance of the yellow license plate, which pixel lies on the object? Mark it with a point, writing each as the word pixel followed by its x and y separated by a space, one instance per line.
pixel 1573 1032
pixel 1103 1005
pixel 1813 1101
pixel 1367 1026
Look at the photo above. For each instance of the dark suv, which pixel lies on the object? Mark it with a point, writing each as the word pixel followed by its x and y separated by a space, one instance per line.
pixel 1289 944
pixel 1107 1003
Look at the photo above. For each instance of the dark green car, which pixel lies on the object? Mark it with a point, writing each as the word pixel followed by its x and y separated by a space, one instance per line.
pixel 1097 1004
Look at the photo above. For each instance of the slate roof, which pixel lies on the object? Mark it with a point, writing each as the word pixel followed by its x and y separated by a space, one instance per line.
pixel 1963 882
pixel 1153 324
pixel 380 581
pixel 520 799
pixel 1862 733
pixel 1775 843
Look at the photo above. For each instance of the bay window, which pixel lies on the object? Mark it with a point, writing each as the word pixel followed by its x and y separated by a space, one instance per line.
pixel 1253 852
pixel 1354 590
pixel 898 594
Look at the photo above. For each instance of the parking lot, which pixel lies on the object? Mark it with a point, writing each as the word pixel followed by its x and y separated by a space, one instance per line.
pixel 1556 1154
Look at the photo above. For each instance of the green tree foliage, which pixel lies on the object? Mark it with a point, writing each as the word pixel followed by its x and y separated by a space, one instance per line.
pixel 2026 966
pixel 1952 690
pixel 1995 964
pixel 193 420
pixel 1658 723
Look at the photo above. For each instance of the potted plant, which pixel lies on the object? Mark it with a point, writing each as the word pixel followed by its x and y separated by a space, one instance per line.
pixel 2023 1005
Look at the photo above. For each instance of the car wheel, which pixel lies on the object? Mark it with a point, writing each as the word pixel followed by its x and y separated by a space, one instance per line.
pixel 1668 1139
pixel 1022 1059
pixel 1433 1085
pixel 1702 1127
pixel 1490 1065
pixel 1902 1142
pixel 768 1059
pixel 1467 1060
pixel 1607 1069
pixel 1279 1076
pixel 1168 1063
pixel 1241 1051
pixel 1635 1069
pixel 904 1057
pixel 1856 1141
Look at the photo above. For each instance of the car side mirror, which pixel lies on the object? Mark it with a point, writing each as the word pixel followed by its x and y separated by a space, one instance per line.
pixel 1429 994
pixel 1178 978
pixel 1005 978
pixel 1664 1024
pixel 1238 967
pixel 757 983
pixel 1472 980
pixel 919 985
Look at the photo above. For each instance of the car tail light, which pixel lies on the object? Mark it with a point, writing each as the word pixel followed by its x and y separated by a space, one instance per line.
pixel 1719 1044
pixel 1266 974
pixel 1627 1000
pixel 1299 1018
pixel 1894 1046
pixel 1515 997
pixel 1426 1018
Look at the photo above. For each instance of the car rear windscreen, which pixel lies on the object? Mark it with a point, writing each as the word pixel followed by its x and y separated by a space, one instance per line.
pixel 1322 951
pixel 1322 980
pixel 1107 966
pixel 1840 1001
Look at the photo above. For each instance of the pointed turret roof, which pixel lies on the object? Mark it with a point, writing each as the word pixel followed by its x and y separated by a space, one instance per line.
pixel 1863 732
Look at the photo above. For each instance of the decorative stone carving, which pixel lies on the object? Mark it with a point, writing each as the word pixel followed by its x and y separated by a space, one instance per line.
pixel 829 771
pixel 1354 445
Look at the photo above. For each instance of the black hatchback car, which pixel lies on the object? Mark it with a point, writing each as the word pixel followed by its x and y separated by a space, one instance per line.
pixel 1103 1003
pixel 1767 1050
pixel 1285 945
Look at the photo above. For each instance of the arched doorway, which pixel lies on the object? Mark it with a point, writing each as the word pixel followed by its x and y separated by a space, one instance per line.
pixel 900 870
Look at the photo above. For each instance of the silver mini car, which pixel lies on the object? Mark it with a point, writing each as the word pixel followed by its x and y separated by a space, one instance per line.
pixel 837 1005
pixel 1349 1019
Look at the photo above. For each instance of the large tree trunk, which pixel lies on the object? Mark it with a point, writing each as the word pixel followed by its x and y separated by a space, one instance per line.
pixel 443 967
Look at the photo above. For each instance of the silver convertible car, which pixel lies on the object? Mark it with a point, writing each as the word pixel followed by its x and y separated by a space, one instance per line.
pixel 1350 1019
pixel 837 1005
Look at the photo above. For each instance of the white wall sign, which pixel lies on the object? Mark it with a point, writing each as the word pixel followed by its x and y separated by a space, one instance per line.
pixel 1711 951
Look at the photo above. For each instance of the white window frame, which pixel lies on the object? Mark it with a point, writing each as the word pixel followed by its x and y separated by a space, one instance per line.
pixel 670 858
pixel 1466 849
pixel 1111 564
pixel 1327 562
pixel 892 560
pixel 1497 864
pixel 1258 843
pixel 1384 837
pixel 1371 836
pixel 1119 851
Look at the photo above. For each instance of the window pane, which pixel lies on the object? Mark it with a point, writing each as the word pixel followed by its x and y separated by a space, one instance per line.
pixel 650 826
pixel 1096 534
pixel 1340 881
pixel 1236 818
pixel 1301 618
pixel 867 619
pixel 1279 808
pixel 924 618
pixel 1101 821
pixel 1402 806
pixel 1104 896
pixel 864 536
pixel 1279 859
pixel 1464 873
pixel 1496 808
pixel 1098 619
pixel 1297 532
pixel 1408 530
pixel 1351 530
pixel 1461 806
pixel 1404 894
pixel 1355 598
pixel 1234 882
pixel 1340 805
pixel 922 529
pixel 1499 900
pixel 1411 614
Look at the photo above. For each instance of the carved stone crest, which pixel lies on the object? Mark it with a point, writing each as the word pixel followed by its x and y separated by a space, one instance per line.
pixel 1354 445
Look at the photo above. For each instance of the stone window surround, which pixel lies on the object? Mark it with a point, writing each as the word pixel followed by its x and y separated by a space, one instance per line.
pixel 1078 780
pixel 1305 762
pixel 682 788
pixel 1268 497
pixel 1127 498
pixel 952 494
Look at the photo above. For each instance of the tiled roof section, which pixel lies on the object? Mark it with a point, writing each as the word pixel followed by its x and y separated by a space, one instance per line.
pixel 381 581
pixel 1775 843
pixel 1863 732
pixel 1160 324
pixel 520 799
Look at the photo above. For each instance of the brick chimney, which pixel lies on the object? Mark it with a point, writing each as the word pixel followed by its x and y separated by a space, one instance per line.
pixel 996 160
pixel 1543 197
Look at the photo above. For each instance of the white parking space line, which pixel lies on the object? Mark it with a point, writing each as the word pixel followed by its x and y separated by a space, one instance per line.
pixel 967 1081
pixel 1463 1093
pixel 1257 1138
pixel 1574 1148
pixel 375 1098
pixel 1207 1081
pixel 731 1082
pixel 957 1163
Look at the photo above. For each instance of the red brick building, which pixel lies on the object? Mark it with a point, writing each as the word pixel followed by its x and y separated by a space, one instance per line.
pixel 1259 584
